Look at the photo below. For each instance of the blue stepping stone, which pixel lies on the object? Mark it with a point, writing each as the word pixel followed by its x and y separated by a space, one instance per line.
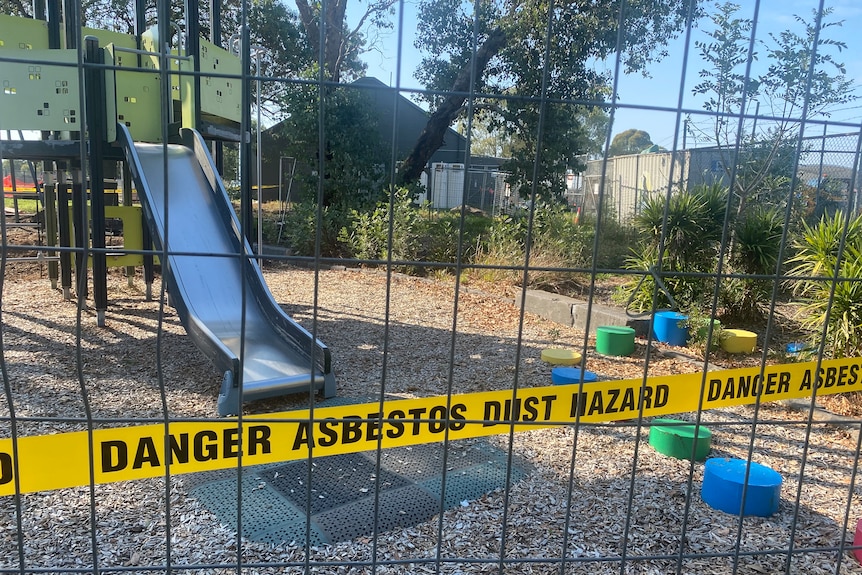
pixel 569 375
pixel 723 481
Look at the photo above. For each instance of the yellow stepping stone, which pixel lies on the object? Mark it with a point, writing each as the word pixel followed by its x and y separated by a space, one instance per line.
pixel 556 356
pixel 738 340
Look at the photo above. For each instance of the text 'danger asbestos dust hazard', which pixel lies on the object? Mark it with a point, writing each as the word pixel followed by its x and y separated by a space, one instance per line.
pixel 30 463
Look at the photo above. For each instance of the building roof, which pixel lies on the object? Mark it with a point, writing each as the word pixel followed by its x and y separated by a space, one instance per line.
pixel 401 119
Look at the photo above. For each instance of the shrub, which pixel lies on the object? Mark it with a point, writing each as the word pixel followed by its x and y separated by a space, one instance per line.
pixel 299 231
pixel 815 265
pixel 689 226
pixel 556 241
pixel 502 250
pixel 698 329
pixel 755 251
pixel 615 243
pixel 368 234
pixel 438 234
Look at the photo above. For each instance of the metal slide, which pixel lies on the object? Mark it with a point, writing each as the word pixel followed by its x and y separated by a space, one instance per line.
pixel 260 349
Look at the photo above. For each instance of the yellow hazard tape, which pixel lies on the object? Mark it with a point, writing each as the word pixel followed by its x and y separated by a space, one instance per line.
pixel 63 460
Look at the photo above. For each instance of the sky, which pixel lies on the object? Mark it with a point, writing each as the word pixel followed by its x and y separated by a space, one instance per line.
pixel 662 88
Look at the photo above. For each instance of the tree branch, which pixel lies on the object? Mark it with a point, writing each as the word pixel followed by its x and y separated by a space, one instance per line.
pixel 312 30
pixel 432 136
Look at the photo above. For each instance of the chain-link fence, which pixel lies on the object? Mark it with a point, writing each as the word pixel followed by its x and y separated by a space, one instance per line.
pixel 823 175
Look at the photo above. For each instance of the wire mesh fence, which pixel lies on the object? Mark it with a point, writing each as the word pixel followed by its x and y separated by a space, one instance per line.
pixel 523 347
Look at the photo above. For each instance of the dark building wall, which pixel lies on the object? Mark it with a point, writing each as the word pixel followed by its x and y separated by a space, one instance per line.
pixel 411 120
pixel 400 123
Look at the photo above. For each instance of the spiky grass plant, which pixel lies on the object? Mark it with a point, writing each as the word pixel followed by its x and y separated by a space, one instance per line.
pixel 755 252
pixel 689 224
pixel 815 265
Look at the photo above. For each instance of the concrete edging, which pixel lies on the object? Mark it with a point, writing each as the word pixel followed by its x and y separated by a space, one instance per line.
pixel 575 313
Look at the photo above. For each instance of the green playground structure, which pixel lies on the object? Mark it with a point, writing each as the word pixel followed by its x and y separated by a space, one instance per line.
pixel 130 127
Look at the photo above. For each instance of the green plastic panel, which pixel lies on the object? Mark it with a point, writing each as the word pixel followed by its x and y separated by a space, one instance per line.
pixel 133 236
pixel 137 97
pixel 187 93
pixel 108 37
pixel 149 44
pixel 221 97
pixel 40 96
pixel 23 33
pixel 110 98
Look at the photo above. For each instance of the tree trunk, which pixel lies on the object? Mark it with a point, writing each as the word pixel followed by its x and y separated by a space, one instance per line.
pixel 333 29
pixel 432 136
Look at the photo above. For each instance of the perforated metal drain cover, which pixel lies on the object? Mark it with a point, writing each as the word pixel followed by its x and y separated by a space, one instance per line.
pixel 344 494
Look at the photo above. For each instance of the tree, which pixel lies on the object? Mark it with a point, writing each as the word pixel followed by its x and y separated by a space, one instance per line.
pixel 629 142
pixel 802 77
pixel 286 52
pixel 341 45
pixel 530 66
pixel 354 164
pixel 16 8
pixel 594 121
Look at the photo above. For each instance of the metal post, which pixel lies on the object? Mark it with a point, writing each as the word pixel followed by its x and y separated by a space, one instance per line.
pixel 14 178
pixel 96 123
pixel 54 24
pixel 127 201
pixel 246 219
pixel 193 49
pixel 215 38
pixel 81 229
pixel 65 232
pixel 50 207
pixel 73 26
pixel 258 50
pixel 149 260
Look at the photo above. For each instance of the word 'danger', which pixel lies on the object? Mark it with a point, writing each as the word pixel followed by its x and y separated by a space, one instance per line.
pixel 30 463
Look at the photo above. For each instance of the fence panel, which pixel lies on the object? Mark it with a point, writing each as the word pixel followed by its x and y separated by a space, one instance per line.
pixel 376 388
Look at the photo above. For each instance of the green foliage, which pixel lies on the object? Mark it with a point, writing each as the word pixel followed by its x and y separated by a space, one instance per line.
pixel 300 230
pixel 556 241
pixel 533 61
pixel 615 243
pixel 784 85
pixel 724 81
pixel 761 153
pixel 641 293
pixel 755 252
pixel 418 236
pixel 339 55
pixel 689 222
pixel 438 233
pixel 698 329
pixel 795 55
pixel 826 198
pixel 629 142
pixel 765 168
pixel 815 265
pixel 387 231
pixel 546 170
pixel 502 250
pixel 758 241
pixel 355 159
pixel 686 230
